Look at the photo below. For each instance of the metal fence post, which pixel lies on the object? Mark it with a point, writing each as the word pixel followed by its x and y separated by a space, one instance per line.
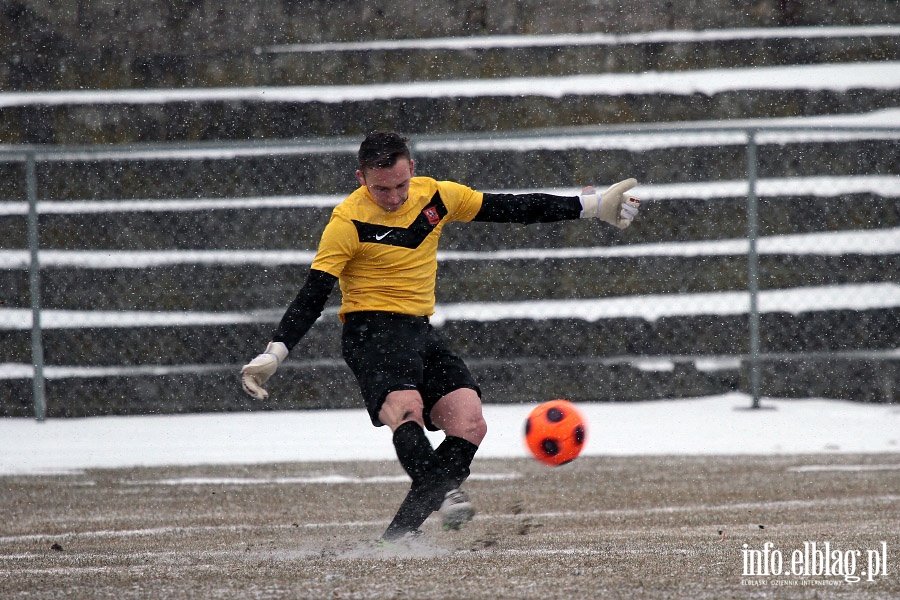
pixel 753 266
pixel 37 346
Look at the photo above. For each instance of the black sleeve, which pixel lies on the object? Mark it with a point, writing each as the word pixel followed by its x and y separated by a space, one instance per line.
pixel 305 309
pixel 528 208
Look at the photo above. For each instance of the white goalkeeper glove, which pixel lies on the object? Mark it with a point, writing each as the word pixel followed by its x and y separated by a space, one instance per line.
pixel 255 373
pixel 616 206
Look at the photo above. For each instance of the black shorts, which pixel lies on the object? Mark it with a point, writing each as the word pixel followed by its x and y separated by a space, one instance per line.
pixel 389 352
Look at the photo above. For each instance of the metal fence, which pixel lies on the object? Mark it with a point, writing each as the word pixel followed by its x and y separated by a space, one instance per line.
pixel 765 260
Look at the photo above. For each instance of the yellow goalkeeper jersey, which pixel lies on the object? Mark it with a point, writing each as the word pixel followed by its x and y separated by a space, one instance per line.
pixel 388 260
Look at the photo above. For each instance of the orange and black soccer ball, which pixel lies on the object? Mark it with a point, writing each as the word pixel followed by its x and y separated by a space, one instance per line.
pixel 555 432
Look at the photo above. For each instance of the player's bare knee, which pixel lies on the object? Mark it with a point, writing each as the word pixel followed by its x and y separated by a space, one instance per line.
pixel 471 427
pixel 478 430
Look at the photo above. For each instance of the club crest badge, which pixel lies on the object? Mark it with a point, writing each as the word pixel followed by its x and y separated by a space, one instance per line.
pixel 431 213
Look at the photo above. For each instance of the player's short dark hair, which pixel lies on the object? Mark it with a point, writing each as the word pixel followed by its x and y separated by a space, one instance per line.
pixel 382 149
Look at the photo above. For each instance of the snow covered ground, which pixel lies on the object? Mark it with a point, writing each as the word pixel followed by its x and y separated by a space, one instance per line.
pixel 720 425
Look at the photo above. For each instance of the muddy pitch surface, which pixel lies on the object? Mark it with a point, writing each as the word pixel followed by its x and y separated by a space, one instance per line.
pixel 659 527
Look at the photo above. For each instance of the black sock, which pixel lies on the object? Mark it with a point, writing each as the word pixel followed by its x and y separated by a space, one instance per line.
pixel 456 456
pixel 434 472
pixel 420 462
pixel 416 454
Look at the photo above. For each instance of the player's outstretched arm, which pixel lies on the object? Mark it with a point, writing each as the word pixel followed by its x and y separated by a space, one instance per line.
pixel 616 206
pixel 297 319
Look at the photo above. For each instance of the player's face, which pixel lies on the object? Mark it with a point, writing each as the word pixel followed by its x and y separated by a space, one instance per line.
pixel 389 186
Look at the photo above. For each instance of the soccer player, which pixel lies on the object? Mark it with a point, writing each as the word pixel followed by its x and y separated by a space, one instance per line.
pixel 381 245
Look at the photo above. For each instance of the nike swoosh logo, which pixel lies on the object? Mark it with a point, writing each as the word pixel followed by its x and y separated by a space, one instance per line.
pixel 381 236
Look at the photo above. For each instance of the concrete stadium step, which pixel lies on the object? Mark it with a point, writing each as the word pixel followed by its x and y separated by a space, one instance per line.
pixel 334 387
pixel 53 50
pixel 502 339
pixel 673 219
pixel 299 387
pixel 485 57
pixel 253 288
pixel 524 159
pixel 509 104
pixel 75 64
pixel 249 121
